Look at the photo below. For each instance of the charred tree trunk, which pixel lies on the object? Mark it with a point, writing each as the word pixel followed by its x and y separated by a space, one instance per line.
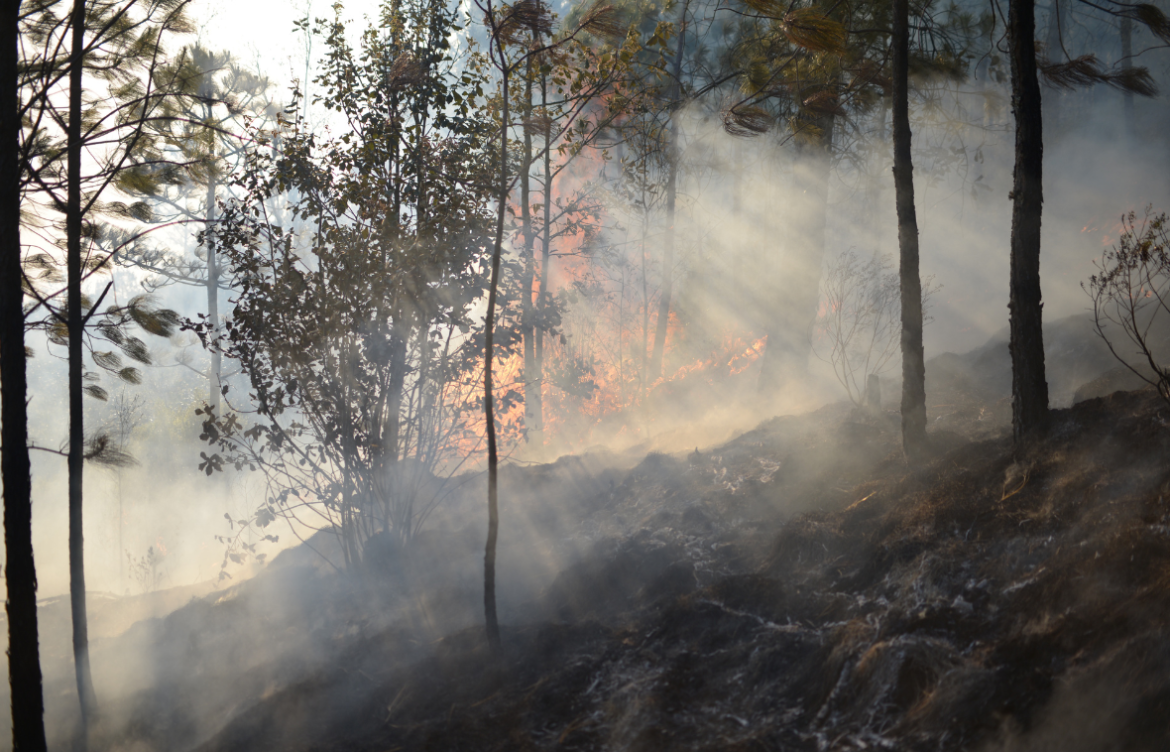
pixel 491 619
pixel 913 365
pixel 75 323
pixel 787 348
pixel 1029 387
pixel 24 664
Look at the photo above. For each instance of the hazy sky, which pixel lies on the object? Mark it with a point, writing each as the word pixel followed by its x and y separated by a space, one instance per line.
pixel 1091 176
pixel 261 34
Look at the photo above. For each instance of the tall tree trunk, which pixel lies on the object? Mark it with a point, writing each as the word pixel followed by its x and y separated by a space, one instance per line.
pixel 787 348
pixel 672 158
pixel 85 691
pixel 1029 387
pixel 491 619
pixel 391 432
pixel 536 430
pixel 352 495
pixel 213 372
pixel 913 366
pixel 1127 64
pixel 24 664
pixel 528 275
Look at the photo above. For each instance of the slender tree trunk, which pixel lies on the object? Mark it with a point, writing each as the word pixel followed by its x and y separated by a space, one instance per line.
pixel 527 329
pixel 1127 64
pixel 913 366
pixel 672 158
pixel 1029 387
pixel 24 664
pixel 491 620
pixel 85 691
pixel 391 433
pixel 214 370
pixel 536 432
pixel 351 494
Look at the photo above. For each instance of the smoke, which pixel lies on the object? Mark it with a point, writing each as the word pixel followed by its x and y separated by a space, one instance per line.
pixel 746 253
pixel 741 264
pixel 149 525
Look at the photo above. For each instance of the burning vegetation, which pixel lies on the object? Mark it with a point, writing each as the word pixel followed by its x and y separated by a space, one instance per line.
pixel 657 242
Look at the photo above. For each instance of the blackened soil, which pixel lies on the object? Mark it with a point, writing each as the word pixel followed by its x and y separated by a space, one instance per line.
pixel 801 588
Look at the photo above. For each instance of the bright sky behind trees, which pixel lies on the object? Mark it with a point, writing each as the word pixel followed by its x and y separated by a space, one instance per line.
pixel 262 35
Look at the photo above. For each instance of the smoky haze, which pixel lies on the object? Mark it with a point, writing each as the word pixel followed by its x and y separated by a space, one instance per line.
pixel 162 583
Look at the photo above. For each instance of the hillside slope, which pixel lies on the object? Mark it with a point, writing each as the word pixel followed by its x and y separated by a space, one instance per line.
pixel 983 601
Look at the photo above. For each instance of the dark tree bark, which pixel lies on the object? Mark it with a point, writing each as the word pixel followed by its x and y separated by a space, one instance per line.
pixel 73 218
pixel 24 665
pixel 1029 387
pixel 491 619
pixel 392 427
pixel 913 366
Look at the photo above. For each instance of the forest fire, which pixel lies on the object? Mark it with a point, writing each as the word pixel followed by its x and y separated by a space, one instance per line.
pixel 1110 229
pixel 510 380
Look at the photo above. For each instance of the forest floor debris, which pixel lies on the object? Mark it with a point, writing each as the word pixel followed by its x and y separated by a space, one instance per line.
pixel 797 588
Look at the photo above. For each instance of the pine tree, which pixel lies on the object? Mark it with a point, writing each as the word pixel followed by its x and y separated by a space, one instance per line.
pixel 223 109
pixel 913 365
pixel 122 45
pixel 24 667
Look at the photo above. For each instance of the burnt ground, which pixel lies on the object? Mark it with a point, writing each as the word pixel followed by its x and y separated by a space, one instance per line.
pixel 797 588
pixel 801 588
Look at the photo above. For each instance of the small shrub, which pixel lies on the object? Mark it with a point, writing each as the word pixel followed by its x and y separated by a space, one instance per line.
pixel 1131 298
